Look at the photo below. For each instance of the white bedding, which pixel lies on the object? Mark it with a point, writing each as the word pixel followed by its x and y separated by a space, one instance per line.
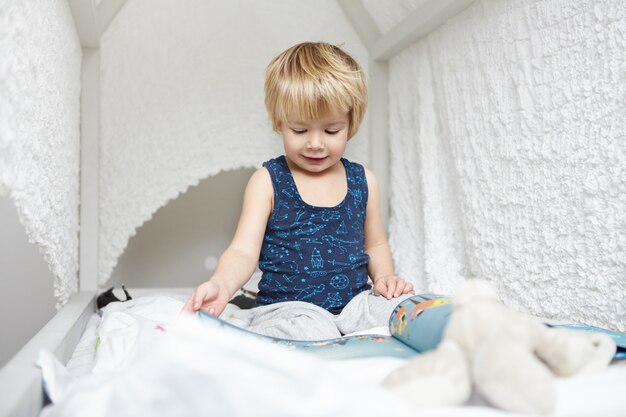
pixel 151 361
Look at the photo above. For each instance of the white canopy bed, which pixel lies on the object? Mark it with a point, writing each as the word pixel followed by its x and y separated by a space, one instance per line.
pixel 495 129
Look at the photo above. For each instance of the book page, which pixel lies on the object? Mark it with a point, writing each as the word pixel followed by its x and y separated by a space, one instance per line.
pixel 420 321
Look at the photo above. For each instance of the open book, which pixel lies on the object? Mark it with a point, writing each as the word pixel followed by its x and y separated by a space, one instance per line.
pixel 416 325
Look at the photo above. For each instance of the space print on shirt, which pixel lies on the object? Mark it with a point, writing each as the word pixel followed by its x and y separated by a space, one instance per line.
pixel 314 254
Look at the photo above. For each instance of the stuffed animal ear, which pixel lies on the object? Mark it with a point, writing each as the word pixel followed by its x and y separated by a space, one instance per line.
pixel 473 290
pixel 570 352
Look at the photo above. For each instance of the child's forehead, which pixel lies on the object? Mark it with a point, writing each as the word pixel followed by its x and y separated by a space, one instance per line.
pixel 334 118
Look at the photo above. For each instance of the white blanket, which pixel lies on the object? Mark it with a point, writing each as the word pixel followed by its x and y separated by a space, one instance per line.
pixel 153 362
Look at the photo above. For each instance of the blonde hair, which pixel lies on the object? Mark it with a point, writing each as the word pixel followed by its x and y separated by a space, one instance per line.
pixel 311 80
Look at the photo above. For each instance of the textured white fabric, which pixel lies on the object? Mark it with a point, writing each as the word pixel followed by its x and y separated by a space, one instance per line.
pixel 423 190
pixel 39 129
pixel 182 98
pixel 512 115
pixel 152 362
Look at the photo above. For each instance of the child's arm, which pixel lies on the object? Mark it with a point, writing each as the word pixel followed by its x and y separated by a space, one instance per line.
pixel 239 260
pixel 380 266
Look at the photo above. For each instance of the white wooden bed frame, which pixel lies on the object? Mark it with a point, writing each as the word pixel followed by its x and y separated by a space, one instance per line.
pixel 21 393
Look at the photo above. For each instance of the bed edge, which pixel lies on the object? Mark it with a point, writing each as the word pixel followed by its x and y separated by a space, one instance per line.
pixel 20 379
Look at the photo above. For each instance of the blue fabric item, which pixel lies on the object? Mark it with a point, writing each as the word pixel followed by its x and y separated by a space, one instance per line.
pixel 314 254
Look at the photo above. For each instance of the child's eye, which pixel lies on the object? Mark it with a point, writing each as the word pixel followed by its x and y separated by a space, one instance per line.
pixel 332 132
pixel 298 131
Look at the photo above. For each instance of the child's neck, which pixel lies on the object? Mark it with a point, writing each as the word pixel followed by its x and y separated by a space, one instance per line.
pixel 322 189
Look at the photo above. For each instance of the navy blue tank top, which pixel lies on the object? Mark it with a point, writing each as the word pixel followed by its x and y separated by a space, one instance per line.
pixel 314 254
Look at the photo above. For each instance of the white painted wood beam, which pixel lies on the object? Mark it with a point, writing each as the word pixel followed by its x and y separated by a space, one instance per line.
pixel 107 10
pixel 85 14
pixel 20 379
pixel 426 18
pixel 89 170
pixel 379 131
pixel 92 18
pixel 361 21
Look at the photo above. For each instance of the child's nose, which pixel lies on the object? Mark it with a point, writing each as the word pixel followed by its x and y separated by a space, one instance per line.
pixel 315 141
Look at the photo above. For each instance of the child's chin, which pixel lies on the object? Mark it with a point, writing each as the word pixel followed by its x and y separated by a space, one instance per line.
pixel 316 168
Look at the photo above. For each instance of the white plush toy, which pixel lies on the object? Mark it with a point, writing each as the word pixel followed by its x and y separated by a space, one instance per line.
pixel 510 358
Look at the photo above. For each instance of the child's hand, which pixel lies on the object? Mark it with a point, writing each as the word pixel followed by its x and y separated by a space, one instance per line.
pixel 208 297
pixel 392 286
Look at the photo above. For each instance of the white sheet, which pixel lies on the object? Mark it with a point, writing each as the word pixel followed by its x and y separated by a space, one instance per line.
pixel 151 361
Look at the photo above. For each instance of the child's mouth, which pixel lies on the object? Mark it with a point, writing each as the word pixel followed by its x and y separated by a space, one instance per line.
pixel 314 160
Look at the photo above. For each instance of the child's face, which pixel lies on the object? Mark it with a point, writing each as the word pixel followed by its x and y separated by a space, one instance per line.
pixel 316 145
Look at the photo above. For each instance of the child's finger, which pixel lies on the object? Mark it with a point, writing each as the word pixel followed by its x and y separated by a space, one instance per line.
pixel 206 295
pixel 197 301
pixel 400 284
pixel 187 306
pixel 380 288
pixel 391 289
pixel 190 304
pixel 406 288
pixel 211 309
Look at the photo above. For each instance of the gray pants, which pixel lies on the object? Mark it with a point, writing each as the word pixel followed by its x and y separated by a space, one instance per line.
pixel 305 321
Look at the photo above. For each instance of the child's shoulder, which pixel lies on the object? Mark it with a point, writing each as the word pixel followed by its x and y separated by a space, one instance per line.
pixel 260 180
pixel 370 177
pixel 360 167
pixel 260 175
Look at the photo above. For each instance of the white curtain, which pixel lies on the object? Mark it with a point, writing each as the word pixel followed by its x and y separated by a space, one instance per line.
pixel 39 130
pixel 508 154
